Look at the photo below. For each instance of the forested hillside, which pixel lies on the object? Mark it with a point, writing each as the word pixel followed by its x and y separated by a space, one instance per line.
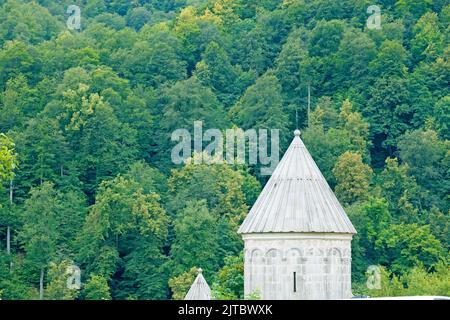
pixel 86 117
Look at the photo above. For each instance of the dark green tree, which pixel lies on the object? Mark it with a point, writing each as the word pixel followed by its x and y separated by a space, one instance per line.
pixel 96 288
pixel 196 240
pixel 408 245
pixel 40 233
pixel 261 107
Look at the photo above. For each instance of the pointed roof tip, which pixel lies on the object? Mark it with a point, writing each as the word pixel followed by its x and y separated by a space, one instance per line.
pixel 297 133
pixel 199 289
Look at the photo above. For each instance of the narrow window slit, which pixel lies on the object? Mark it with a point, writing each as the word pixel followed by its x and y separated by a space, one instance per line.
pixel 295 281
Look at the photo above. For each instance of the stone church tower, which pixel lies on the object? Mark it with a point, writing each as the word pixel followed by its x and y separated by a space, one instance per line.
pixel 297 236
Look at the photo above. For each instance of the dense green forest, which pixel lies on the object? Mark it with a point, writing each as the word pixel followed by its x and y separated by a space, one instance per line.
pixel 86 117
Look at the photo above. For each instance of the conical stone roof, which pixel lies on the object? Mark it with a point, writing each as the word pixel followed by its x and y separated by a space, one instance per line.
pixel 199 289
pixel 297 198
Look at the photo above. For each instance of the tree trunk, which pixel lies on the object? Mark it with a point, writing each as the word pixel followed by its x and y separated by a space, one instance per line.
pixel 8 228
pixel 41 285
pixel 309 102
pixel 8 240
pixel 10 191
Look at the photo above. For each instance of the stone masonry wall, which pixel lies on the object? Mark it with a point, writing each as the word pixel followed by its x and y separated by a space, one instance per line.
pixel 298 266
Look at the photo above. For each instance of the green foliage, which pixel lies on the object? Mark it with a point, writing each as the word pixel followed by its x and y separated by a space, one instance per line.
pixel 369 219
pixel 89 116
pixel 180 285
pixel 40 232
pixel 330 135
pixel 401 191
pixel 17 57
pixel 96 288
pixel 261 106
pixel 27 21
pixel 106 145
pixel 388 100
pixel 152 61
pixel 122 210
pixel 408 245
pixel 428 42
pixel 229 283
pixel 8 158
pixel 326 147
pixel 216 71
pixel 291 69
pixel 442 117
pixel 420 282
pixel 189 100
pixel 196 239
pixel 390 61
pixel 218 184
pixel 145 274
pixel 356 51
pixel 43 152
pixel 440 225
pixel 182 104
pixel 326 37
pixel 352 177
pixel 138 17
pixel 416 282
pixel 17 100
pixel 15 283
pixel 356 127
pixel 57 288
pixel 427 158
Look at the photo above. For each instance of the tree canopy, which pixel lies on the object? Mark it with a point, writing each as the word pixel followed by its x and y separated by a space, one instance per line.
pixel 87 115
